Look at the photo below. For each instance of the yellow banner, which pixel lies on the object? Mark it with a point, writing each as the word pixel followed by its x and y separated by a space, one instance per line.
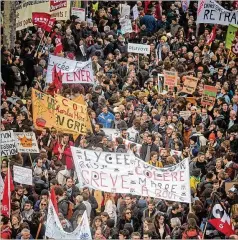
pixel 43 110
pixel 70 115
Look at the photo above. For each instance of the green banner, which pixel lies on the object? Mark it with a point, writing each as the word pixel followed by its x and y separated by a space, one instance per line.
pixel 230 35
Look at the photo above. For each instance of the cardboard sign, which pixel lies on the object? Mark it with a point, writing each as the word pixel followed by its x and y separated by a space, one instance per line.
pixel 112 134
pixel 26 142
pixel 7 143
pixel 79 12
pixel 185 114
pixel 65 65
pixel 70 116
pixel 22 175
pixel 212 12
pixel 128 144
pixel 43 110
pixel 135 12
pixel 58 9
pixel 126 26
pixel 54 229
pixel 209 95
pixel 138 48
pixel 170 78
pixel 125 11
pixel 160 83
pixel 189 85
pixel 123 173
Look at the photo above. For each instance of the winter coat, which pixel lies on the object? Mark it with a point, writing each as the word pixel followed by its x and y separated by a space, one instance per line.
pixel 106 119
pixel 134 222
pixel 144 150
pixel 63 206
pixel 150 23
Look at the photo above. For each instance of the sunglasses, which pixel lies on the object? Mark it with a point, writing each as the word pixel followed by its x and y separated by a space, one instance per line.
pixel 43 204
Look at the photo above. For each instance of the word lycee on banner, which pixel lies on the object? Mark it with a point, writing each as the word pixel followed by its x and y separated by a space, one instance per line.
pixel 7 143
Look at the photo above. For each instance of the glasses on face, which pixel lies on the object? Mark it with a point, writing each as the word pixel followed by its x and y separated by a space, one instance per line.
pixel 43 204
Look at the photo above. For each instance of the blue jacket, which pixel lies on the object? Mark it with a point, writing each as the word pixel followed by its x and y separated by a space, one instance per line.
pixel 150 23
pixel 106 119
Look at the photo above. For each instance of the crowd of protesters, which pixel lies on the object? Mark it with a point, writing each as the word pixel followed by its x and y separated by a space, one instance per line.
pixel 126 97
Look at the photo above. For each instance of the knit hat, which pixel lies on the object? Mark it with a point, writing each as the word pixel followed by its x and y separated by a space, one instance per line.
pixel 212 136
pixel 194 138
pixel 164 38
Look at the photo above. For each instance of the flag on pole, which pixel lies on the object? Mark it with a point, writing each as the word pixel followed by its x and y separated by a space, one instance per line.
pixel 49 25
pixel 58 47
pixel 212 36
pixel 219 218
pixel 230 35
pixel 40 19
pixel 7 189
pixel 54 200
pixel 56 83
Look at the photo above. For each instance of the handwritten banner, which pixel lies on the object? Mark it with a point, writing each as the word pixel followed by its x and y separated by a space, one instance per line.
pixel 209 95
pixel 170 78
pixel 189 85
pixel 7 143
pixel 70 115
pixel 43 110
pixel 26 142
pixel 124 173
pixel 22 175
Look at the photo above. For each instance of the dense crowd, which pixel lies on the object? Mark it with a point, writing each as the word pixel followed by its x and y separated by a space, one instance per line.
pixel 126 97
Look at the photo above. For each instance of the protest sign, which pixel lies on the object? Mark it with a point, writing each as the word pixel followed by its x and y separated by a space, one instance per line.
pixel 212 12
pixel 22 175
pixel 7 143
pixel 43 110
pixel 26 142
pixel 189 85
pixel 125 11
pixel 234 46
pixel 126 26
pixel 170 78
pixel 70 115
pixel 24 9
pixel 124 173
pixel 79 12
pixel 63 64
pixel 160 83
pixel 135 12
pixel 128 144
pixel 54 229
pixel 83 75
pixel 138 48
pixel 209 95
pixel 112 134
pixel 174 152
pixel 230 35
pixel 185 114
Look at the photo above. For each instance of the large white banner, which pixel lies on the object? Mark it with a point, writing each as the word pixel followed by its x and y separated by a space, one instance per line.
pixel 58 9
pixel 72 71
pixel 22 175
pixel 138 48
pixel 209 11
pixel 26 142
pixel 123 173
pixel 54 228
pixel 7 143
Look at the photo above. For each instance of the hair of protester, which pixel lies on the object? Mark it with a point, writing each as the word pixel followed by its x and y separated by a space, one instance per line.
pixel 125 233
pixel 147 233
pixel 28 202
pixel 228 156
pixel 110 223
pixel 104 214
pixel 95 219
pixel 129 195
pixel 119 140
pixel 175 222
pixel 79 198
pixel 85 196
pixel 18 187
pixel 136 234
pixel 209 175
pixel 152 202
pixel 175 206
pixel 25 230
pixel 59 191
pixel 5 219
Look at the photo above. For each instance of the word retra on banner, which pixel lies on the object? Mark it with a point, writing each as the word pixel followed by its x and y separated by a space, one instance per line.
pixel 124 173
pixel 212 12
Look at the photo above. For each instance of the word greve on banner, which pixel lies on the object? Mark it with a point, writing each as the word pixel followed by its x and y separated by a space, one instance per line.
pixel 71 71
pixel 209 11
pixel 26 142
pixel 22 175
pixel 124 173
pixel 54 229
pixel 70 115
pixel 7 143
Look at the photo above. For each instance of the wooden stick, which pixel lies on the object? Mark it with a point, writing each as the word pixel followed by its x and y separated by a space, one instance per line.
pixel 38 230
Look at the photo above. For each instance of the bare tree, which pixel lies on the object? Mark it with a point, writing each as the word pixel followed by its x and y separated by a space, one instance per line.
pixel 9 23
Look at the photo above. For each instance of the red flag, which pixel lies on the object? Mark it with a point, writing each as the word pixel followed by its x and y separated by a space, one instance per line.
pixel 49 25
pixel 6 201
pixel 147 3
pixel 58 47
pixel 220 219
pixel 40 19
pixel 56 83
pixel 212 36
pixel 54 200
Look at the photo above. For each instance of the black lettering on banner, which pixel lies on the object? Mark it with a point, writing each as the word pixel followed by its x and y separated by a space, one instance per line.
pixel 211 15
pixel 207 11
pixel 227 15
pixel 142 181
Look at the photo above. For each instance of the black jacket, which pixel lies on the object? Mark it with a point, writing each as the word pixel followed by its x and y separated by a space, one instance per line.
pixel 144 150
pixel 134 221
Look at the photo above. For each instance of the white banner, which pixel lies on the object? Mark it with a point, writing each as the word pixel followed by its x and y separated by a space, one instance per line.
pixel 24 10
pixel 128 144
pixel 54 229
pixel 111 133
pixel 1 187
pixel 7 143
pixel 79 12
pixel 138 48
pixel 209 11
pixel 72 71
pixel 26 142
pixel 125 11
pixel 135 12
pixel 22 175
pixel 123 173
pixel 126 26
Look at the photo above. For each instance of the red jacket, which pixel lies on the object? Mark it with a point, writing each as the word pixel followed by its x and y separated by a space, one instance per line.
pixel 67 154
pixel 6 232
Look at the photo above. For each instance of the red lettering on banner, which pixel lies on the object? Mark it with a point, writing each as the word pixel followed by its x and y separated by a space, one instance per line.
pixel 181 177
pixel 63 101
pixel 144 191
pixel 67 77
pixel 165 175
pixel 94 177
pixel 79 76
pixel 113 181
pixel 88 76
pixel 101 177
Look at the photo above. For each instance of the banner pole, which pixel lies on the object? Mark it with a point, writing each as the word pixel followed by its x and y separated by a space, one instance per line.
pixel 8 189
pixel 228 60
pixel 30 159
pixel 45 43
pixel 40 43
